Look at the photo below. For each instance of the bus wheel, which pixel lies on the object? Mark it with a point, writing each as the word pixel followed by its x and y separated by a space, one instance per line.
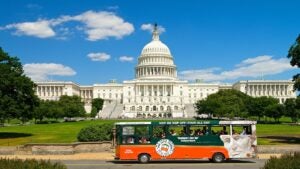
pixel 144 158
pixel 218 158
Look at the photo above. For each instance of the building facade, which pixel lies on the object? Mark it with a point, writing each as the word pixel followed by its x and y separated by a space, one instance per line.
pixel 156 91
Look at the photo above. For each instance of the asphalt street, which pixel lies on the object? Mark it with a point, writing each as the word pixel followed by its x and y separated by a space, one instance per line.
pixel 203 164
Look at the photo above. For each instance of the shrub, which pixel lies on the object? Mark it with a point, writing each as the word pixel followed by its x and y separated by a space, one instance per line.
pixel 101 132
pixel 29 164
pixel 286 161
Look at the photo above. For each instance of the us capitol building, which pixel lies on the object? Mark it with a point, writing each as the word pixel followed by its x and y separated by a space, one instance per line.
pixel 156 92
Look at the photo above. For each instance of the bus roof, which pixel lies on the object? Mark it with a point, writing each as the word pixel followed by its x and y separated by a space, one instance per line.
pixel 198 122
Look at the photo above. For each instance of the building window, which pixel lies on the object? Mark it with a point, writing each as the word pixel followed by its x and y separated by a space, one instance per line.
pixel 161 108
pixel 132 108
pixel 154 108
pixel 176 108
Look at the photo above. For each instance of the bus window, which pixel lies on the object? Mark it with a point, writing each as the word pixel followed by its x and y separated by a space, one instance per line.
pixel 142 133
pixel 196 130
pixel 159 132
pixel 174 130
pixel 142 130
pixel 241 130
pixel 128 130
pixel 220 130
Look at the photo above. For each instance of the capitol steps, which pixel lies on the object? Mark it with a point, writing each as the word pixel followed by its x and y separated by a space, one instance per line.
pixel 116 113
pixel 107 110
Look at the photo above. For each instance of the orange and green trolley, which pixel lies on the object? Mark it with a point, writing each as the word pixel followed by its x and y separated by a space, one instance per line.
pixel 215 140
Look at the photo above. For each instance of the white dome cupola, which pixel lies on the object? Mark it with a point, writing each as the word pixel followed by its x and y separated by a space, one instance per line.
pixel 156 61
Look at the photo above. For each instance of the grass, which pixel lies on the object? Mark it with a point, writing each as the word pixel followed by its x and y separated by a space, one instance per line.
pixel 67 132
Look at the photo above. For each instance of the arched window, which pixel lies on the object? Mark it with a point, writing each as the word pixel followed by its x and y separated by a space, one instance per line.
pixel 169 108
pixel 175 107
pixel 161 108
pixel 154 108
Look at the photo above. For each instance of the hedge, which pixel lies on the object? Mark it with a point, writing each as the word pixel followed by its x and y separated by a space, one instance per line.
pixel 286 161
pixel 101 132
pixel 29 164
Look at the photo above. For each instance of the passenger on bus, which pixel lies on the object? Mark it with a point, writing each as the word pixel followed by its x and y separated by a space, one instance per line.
pixel 172 132
pixel 192 133
pixel 143 140
pixel 244 132
pixel 130 140
pixel 234 132
pixel 182 133
pixel 162 135
pixel 224 130
pixel 199 133
pixel 204 130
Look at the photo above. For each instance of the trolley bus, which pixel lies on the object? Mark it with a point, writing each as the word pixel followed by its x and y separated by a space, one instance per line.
pixel 215 140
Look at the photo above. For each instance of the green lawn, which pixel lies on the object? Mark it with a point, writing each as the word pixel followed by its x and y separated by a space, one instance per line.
pixel 67 132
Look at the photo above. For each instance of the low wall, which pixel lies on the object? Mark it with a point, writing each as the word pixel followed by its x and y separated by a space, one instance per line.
pixel 278 149
pixel 56 148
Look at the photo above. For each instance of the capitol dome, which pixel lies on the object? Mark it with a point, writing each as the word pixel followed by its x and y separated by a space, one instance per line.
pixel 156 61
pixel 156 47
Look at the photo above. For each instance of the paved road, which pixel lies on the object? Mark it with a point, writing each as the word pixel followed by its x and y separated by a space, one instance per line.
pixel 234 164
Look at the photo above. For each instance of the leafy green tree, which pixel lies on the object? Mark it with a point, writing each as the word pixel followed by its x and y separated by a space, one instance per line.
pixel 97 103
pixel 294 55
pixel 93 112
pixel 257 106
pixel 17 97
pixel 40 111
pixel 225 103
pixel 56 110
pixel 72 106
pixel 290 109
pixel 274 111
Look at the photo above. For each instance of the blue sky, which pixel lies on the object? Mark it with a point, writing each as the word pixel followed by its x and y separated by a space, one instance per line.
pixel 92 42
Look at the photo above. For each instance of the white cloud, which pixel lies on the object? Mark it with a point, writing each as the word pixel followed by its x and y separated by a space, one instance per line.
pixel 97 26
pixel 102 57
pixel 149 27
pixel 40 29
pixel 254 60
pixel 251 67
pixel 101 25
pixel 42 71
pixel 126 59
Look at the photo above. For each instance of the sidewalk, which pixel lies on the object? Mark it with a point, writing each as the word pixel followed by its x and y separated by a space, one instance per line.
pixel 91 156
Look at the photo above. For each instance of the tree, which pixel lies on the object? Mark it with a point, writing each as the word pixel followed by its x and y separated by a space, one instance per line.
pixel 97 105
pixel 274 111
pixel 93 112
pixel 72 106
pixel 290 109
pixel 17 97
pixel 257 106
pixel 225 103
pixel 294 55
